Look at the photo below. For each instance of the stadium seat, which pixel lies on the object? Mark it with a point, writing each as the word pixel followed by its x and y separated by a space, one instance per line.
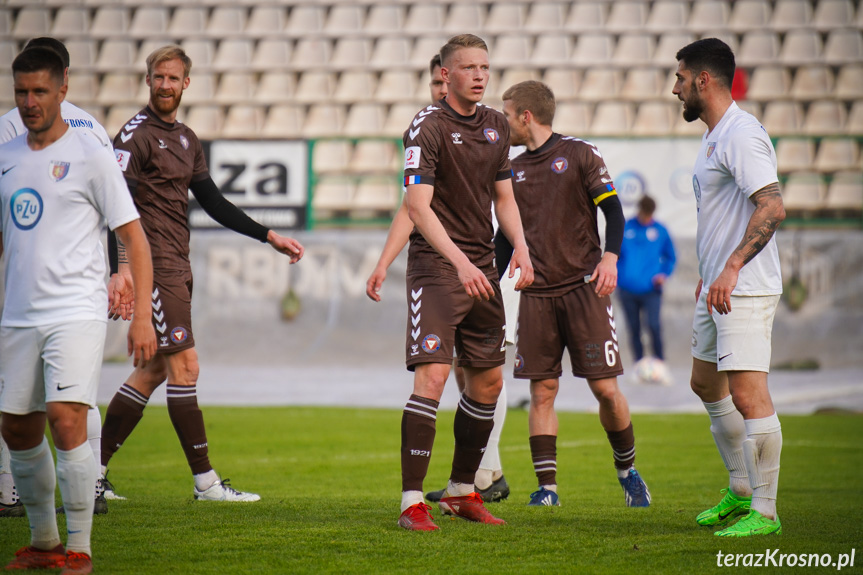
pixel 464 16
pixel 118 115
pixel 8 50
pixel 384 19
pixel 825 118
pixel 769 83
pixel 510 77
pixel 306 19
pixel 749 15
pixel 391 52
pixel 399 118
pixel 394 85
pixel 565 83
pixel 682 128
pixel 643 83
pixel 311 53
pixel 543 17
pixel 668 45
pixel 235 87
pixel 226 21
pixel 355 86
pixel 206 121
pixel 795 154
pixel 424 49
pixel 751 107
pixel 654 119
pixel 351 52
pixel 266 21
pixel 849 82
pixel 759 48
pixel 98 113
pixel 804 191
pixel 117 55
pixel 243 121
pixel 791 14
pixel 378 194
pixel 70 21
pixel 854 126
pixel 333 195
pixel 147 47
pixel 511 50
pixel 119 88
pixel 626 16
pixel 272 54
pixel 149 21
pixel 82 54
pixel 365 120
pixel 633 49
pixel 7 93
pixel 202 88
pixel 5 24
pixel 782 118
pixel 844 47
pixel 666 16
pixel 504 17
pixel 233 54
pixel 373 156
pixel 315 87
pixel 202 51
pixel 275 87
pixel 726 36
pixel 708 16
pixel 324 120
pixel 836 154
pixel 612 119
pixel 188 21
pixel 424 17
pixel 831 14
pixel 812 83
pixel 801 47
pixel 345 19
pixel 284 121
pixel 587 17
pixel 551 50
pixel 572 118
pixel 593 50
pixel 84 87
pixel 846 191
pixel 32 23
pixel 601 84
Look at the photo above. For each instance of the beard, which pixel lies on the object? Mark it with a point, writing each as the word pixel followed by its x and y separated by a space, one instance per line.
pixel 692 106
pixel 164 107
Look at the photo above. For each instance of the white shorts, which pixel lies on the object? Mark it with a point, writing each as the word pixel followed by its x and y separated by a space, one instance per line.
pixel 60 362
pixel 510 303
pixel 738 341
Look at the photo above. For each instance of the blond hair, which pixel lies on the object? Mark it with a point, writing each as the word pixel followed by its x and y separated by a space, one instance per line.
pixel 456 43
pixel 534 96
pixel 166 53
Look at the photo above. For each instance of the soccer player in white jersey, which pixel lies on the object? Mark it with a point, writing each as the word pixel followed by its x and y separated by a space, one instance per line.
pixel 739 210
pixel 58 188
pixel 11 126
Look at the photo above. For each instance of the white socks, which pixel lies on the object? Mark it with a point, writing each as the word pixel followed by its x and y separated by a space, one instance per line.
pixel 458 489
pixel 729 431
pixel 204 481
pixel 491 458
pixel 761 450
pixel 33 470
pixel 76 475
pixel 411 498
pixel 94 435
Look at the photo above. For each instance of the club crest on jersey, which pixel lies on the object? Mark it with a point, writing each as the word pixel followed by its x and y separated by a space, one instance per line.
pixel 59 170
pixel 519 176
pixel 491 135
pixel 711 146
pixel 179 335
pixel 184 141
pixel 431 343
pixel 559 165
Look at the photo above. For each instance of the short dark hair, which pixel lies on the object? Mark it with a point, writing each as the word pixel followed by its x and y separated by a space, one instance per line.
pixel 646 205
pixel 534 96
pixel 712 55
pixel 53 44
pixel 434 63
pixel 39 59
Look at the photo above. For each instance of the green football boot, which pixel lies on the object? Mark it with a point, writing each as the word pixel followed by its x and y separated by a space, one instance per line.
pixel 726 510
pixel 753 524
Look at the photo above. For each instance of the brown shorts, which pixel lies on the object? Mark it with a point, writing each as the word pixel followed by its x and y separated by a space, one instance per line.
pixel 172 310
pixel 443 318
pixel 579 321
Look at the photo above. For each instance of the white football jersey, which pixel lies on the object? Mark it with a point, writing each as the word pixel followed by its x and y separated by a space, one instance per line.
pixel 736 160
pixel 11 125
pixel 54 204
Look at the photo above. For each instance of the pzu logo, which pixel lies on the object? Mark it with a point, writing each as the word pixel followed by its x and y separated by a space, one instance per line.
pixel 26 208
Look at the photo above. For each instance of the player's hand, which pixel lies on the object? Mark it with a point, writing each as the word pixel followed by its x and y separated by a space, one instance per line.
pixel 719 293
pixel 659 280
pixel 475 283
pixel 141 340
pixel 605 274
pixel 121 296
pixel 374 283
pixel 698 289
pixel 285 245
pixel 521 260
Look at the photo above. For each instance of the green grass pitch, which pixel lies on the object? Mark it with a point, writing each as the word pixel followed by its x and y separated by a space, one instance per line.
pixel 330 482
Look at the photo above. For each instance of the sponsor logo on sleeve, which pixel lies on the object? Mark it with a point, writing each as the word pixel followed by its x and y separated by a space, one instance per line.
pixel 412 157
pixel 123 158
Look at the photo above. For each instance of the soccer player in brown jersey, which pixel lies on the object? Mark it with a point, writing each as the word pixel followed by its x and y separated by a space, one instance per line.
pixel 456 166
pixel 162 159
pixel 490 481
pixel 559 183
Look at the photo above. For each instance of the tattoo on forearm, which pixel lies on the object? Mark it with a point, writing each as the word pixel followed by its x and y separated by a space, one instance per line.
pixel 122 255
pixel 769 213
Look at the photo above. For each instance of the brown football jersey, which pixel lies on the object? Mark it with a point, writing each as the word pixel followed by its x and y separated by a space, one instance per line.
pixel 462 157
pixel 558 187
pixel 159 161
